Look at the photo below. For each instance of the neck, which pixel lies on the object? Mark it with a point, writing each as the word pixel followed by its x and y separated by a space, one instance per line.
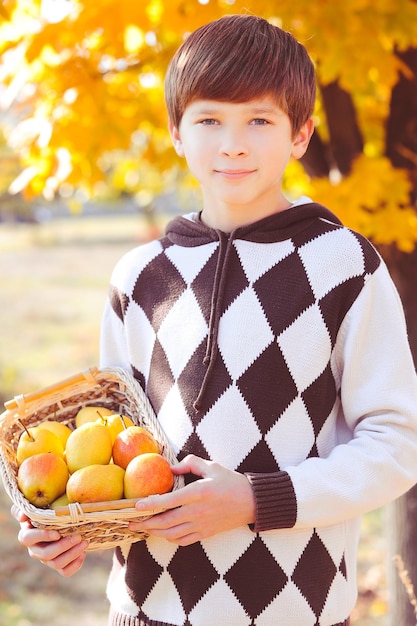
pixel 227 218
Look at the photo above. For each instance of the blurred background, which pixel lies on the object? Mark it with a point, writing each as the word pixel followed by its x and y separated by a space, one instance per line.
pixel 87 172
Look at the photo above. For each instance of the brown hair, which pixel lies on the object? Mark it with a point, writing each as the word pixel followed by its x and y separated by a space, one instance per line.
pixel 238 58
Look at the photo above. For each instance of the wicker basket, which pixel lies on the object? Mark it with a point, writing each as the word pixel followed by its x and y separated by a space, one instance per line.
pixel 108 387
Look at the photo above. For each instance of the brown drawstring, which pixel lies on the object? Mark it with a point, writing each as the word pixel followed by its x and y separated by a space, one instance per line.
pixel 215 312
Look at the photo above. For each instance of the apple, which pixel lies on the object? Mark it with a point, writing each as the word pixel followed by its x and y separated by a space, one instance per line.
pixel 131 442
pixel 35 440
pixel 146 475
pixel 42 478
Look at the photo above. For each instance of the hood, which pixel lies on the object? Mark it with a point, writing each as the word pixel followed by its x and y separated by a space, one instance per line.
pixel 277 227
pixel 188 233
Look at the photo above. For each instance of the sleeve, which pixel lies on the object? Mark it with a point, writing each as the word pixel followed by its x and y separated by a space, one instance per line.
pixel 377 461
pixel 113 348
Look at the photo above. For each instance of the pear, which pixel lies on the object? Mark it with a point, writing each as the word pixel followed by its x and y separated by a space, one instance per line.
pixel 90 414
pixel 60 501
pixel 89 444
pixel 146 475
pixel 58 428
pixel 42 478
pixel 116 423
pixel 96 483
pixel 131 442
pixel 35 440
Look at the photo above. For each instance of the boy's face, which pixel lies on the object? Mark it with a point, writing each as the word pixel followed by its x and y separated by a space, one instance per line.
pixel 238 152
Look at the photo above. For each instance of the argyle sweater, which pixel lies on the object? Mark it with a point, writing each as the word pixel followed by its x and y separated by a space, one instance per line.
pixel 279 351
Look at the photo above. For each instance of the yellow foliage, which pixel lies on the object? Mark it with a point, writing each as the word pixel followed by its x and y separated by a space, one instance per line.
pixel 374 200
pixel 94 79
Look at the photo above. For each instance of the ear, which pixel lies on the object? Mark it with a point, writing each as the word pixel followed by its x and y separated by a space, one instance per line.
pixel 176 139
pixel 302 139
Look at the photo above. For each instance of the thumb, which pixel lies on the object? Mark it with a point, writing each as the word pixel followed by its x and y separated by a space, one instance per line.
pixel 18 514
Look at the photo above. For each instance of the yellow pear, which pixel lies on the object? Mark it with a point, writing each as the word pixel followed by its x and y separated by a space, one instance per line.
pixel 89 444
pixel 42 478
pixel 90 414
pixel 116 423
pixel 35 440
pixel 96 483
pixel 58 428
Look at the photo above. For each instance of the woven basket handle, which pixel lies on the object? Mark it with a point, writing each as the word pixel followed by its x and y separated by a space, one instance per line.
pixel 112 505
pixel 86 375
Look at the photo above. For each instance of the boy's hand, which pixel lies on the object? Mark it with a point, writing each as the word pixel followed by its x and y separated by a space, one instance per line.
pixel 63 554
pixel 221 500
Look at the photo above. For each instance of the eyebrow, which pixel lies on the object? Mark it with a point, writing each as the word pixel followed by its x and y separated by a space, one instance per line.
pixel 254 111
pixel 264 110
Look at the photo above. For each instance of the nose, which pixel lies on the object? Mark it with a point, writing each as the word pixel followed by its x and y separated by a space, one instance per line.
pixel 233 144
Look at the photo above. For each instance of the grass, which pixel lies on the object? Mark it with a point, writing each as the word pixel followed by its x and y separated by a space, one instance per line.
pixel 54 280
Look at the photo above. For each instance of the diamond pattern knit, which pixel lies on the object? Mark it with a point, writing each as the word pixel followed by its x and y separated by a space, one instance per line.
pixel 234 338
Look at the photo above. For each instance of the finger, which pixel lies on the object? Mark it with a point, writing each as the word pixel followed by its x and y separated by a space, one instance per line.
pixel 192 464
pixel 30 536
pixel 68 562
pixel 48 551
pixel 162 502
pixel 73 567
pixel 168 519
pixel 182 535
pixel 18 514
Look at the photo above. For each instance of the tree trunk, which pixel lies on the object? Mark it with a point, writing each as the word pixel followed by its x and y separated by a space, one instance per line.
pixel 402 562
pixel 401 143
pixel 402 514
pixel 345 139
pixel 401 137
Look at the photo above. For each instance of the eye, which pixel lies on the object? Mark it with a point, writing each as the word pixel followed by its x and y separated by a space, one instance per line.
pixel 259 121
pixel 208 122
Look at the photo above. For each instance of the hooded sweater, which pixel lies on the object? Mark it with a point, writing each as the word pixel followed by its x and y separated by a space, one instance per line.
pixel 280 351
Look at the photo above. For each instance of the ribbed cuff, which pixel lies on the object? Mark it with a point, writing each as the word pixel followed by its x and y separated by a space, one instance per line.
pixel 276 504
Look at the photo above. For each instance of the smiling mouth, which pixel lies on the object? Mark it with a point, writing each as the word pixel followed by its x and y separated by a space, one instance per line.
pixel 234 174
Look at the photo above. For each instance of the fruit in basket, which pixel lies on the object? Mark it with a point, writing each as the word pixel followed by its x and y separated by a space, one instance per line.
pixel 96 483
pixel 60 501
pixel 90 414
pixel 131 442
pixel 42 478
pixel 116 423
pixel 146 475
pixel 89 444
pixel 58 428
pixel 35 440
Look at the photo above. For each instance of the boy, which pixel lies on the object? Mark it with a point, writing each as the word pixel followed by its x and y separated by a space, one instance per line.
pixel 272 345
